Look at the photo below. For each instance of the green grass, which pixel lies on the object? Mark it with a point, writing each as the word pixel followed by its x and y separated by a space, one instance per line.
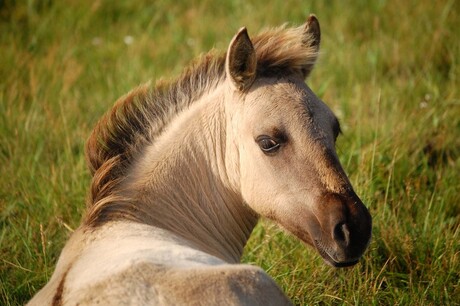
pixel 389 69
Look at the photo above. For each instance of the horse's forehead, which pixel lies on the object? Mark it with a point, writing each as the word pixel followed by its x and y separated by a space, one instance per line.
pixel 275 87
pixel 290 96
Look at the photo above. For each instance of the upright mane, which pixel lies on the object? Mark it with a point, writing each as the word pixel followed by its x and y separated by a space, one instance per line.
pixel 139 117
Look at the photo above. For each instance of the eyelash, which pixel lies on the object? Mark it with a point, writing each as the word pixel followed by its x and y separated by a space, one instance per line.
pixel 267 144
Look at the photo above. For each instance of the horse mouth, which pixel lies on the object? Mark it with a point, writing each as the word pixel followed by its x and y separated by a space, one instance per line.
pixel 343 264
pixel 331 261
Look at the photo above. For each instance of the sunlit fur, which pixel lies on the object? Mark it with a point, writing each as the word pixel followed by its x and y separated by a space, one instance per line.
pixel 138 118
pixel 179 182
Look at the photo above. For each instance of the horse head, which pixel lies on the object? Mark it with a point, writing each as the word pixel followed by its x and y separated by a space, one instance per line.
pixel 281 147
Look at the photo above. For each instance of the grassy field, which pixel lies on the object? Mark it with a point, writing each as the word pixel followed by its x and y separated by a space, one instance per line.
pixel 390 70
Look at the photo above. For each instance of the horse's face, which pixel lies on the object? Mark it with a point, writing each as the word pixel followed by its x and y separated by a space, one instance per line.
pixel 289 171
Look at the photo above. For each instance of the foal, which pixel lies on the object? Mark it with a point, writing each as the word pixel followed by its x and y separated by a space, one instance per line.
pixel 183 170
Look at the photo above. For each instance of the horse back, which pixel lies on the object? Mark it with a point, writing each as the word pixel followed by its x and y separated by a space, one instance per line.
pixel 134 264
pixel 150 284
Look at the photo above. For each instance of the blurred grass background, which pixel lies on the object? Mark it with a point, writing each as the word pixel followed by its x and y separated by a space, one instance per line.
pixel 390 70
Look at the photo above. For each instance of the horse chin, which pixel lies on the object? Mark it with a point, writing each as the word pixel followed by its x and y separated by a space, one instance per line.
pixel 336 264
pixel 306 237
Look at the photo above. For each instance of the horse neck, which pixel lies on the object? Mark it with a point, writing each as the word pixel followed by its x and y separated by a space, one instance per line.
pixel 181 183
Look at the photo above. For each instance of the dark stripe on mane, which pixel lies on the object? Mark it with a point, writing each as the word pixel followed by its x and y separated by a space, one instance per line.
pixel 140 116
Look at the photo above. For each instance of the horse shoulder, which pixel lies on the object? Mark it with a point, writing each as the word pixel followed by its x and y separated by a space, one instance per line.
pixel 146 283
pixel 131 264
pixel 222 285
pixel 239 284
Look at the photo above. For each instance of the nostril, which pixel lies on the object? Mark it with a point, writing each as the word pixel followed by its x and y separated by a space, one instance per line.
pixel 342 234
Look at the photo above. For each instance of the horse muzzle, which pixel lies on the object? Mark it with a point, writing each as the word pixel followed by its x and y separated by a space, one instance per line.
pixel 345 229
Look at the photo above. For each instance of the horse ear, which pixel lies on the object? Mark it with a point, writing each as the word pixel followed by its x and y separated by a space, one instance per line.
pixel 311 38
pixel 241 62
pixel 312 32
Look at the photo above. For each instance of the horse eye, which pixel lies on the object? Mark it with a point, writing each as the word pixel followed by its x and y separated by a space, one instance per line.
pixel 268 145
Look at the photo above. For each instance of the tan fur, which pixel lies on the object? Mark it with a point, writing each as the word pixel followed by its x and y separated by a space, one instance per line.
pixel 139 117
pixel 182 172
pixel 222 285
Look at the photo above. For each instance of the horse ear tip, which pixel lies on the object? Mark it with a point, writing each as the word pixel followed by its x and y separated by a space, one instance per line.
pixel 312 17
pixel 242 31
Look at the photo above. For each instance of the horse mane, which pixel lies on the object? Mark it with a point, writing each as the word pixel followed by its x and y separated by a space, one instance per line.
pixel 140 116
